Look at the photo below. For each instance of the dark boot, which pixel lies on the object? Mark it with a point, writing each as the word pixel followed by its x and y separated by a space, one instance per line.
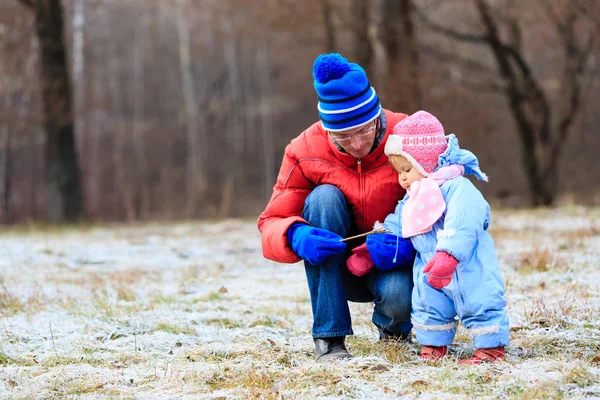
pixel 330 348
pixel 387 336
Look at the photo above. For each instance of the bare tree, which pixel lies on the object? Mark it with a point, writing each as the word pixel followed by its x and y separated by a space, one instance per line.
pixel 330 42
pixel 542 140
pixel 79 86
pixel 399 39
pixel 5 142
pixel 139 145
pixel 121 182
pixel 235 120
pixel 360 21
pixel 63 186
pixel 266 119
pixel 195 177
pixel 5 165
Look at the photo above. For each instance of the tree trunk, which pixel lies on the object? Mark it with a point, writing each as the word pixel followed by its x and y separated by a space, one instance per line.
pixel 541 190
pixel 6 97
pixel 196 184
pixel 330 44
pixel 139 145
pixel 235 122
pixel 80 106
pixel 120 168
pixel 529 107
pixel 360 29
pixel 413 82
pixel 5 175
pixel 5 170
pixel 402 89
pixel 63 187
pixel 266 119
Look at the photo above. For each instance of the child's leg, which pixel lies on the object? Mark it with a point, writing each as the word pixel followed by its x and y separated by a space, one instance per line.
pixel 480 302
pixel 489 330
pixel 432 313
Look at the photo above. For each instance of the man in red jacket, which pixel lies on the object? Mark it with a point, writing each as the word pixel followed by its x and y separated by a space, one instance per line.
pixel 334 182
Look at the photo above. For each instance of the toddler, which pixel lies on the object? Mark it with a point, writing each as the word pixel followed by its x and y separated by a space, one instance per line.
pixel 446 218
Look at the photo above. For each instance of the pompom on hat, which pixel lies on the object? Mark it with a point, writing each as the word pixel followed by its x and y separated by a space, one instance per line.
pixel 420 139
pixel 346 98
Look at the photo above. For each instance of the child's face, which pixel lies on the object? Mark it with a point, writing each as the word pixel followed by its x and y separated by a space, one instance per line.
pixel 407 174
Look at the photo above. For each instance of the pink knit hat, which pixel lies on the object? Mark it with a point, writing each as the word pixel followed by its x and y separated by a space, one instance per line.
pixel 420 139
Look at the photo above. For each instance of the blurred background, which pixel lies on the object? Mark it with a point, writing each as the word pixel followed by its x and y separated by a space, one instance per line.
pixel 172 109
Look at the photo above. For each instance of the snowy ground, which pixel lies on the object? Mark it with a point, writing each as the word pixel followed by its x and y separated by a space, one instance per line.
pixel 194 311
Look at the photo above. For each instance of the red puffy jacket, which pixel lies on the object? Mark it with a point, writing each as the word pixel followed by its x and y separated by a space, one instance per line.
pixel 370 186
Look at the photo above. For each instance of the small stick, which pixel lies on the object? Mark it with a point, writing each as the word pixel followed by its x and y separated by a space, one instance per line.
pixel 54 344
pixel 378 230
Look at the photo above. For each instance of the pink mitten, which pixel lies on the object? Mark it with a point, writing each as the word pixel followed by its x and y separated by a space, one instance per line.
pixel 441 267
pixel 360 262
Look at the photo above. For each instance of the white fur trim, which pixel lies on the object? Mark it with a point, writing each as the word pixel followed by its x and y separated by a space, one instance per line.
pixel 484 176
pixel 394 147
pixel 443 327
pixel 484 330
pixel 345 110
pixel 354 126
pixel 446 233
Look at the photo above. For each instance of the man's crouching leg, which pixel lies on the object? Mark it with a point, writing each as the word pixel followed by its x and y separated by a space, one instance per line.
pixel 392 292
pixel 326 208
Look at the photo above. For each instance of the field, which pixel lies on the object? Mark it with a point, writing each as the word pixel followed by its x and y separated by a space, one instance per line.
pixel 193 310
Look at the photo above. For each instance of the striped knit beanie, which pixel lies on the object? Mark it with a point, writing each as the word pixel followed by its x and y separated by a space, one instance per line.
pixel 346 98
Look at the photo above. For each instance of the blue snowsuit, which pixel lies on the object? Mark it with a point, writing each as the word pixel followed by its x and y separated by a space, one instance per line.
pixel 476 292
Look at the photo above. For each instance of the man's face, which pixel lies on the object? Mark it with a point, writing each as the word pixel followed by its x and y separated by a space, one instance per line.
pixel 358 141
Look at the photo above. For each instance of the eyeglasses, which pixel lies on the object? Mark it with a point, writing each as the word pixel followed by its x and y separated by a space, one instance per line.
pixel 363 133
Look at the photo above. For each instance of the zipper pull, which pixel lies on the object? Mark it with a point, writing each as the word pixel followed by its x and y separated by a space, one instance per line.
pixel 359 167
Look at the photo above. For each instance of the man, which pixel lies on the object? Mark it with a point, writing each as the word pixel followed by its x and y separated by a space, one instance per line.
pixel 334 182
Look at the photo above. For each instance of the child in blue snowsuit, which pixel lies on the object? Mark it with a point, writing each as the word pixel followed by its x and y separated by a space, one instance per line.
pixel 446 218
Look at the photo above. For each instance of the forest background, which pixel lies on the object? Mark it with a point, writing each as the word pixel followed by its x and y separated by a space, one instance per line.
pixel 174 109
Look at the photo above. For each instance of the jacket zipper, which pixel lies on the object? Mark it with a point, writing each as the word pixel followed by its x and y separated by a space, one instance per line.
pixel 459 288
pixel 360 191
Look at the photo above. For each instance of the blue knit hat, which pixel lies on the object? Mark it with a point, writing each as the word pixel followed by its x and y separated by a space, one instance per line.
pixel 346 98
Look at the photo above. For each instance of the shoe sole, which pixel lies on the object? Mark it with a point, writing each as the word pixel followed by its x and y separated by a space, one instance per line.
pixel 327 357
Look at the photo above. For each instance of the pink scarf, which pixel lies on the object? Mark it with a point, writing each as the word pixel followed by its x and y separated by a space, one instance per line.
pixel 426 203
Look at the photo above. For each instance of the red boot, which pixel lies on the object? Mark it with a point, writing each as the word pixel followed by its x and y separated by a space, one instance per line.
pixel 433 353
pixel 485 355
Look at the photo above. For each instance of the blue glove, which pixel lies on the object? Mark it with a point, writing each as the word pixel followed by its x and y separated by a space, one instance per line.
pixel 389 251
pixel 313 244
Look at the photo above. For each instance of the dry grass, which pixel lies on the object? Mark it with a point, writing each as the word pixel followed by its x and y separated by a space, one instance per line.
pixel 540 260
pixel 194 311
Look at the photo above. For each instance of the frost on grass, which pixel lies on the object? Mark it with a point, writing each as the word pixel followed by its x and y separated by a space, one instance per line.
pixel 194 311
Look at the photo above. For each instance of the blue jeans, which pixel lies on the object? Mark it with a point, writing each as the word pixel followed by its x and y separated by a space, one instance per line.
pixel 331 285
